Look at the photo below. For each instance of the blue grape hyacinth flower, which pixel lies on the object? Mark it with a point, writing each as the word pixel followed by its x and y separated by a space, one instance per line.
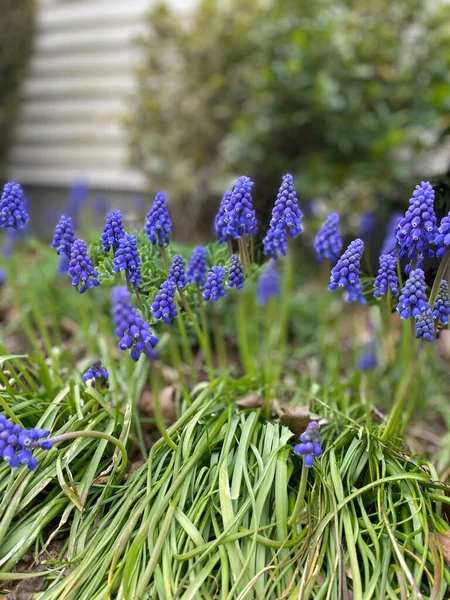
pixel 268 285
pixel 97 374
pixel 13 212
pixel 367 224
pixel 310 445
pixel 81 268
pixel 441 308
pixel 328 241
pixel 390 240
pixel 345 274
pixel 236 275
pixel 134 333
pixel 196 271
pixel 2 277
pixel 219 223
pixel 63 265
pixel 214 288
pixel 417 230
pixel 17 443
pixel 425 326
pixel 239 217
pixel 176 272
pixel 163 306
pixel 286 219
pixel 367 359
pixel 387 276
pixel 158 224
pixel 442 239
pixel 413 297
pixel 127 259
pixel 64 236
pixel 113 231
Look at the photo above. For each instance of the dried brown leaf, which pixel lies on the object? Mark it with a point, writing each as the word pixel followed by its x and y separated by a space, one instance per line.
pixel 251 401
pixel 167 400
pixel 296 418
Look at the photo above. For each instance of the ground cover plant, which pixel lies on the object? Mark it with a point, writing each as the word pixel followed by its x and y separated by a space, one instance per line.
pixel 226 421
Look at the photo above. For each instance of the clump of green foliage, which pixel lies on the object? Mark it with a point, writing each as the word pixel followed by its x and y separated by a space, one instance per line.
pixel 340 94
pixel 16 33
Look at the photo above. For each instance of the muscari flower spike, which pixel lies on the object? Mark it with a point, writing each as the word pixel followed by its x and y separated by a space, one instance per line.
pixel 367 224
pixel 97 374
pixel 367 359
pixel 2 277
pixel 387 276
pixel 328 242
pixel 310 446
pixel 163 306
pixel 13 212
pixel 220 224
pixel 64 236
pixel 239 217
pixel 425 326
pixel 236 275
pixel 113 231
pixel 134 333
pixel 286 218
pixel 390 240
pixel 127 259
pixel 413 297
pixel 81 268
pixel 176 272
pixel 158 224
pixel 442 239
pixel 346 272
pixel 196 271
pixel 214 289
pixel 268 285
pixel 16 443
pixel 417 230
pixel 63 265
pixel 441 308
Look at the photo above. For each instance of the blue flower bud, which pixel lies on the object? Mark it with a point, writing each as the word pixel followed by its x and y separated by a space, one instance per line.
pixel 236 275
pixel 158 224
pixel 328 242
pixel 387 276
pixel 413 297
pixel 113 231
pixel 214 289
pixel 13 212
pixel 345 274
pixel 64 236
pixel 81 268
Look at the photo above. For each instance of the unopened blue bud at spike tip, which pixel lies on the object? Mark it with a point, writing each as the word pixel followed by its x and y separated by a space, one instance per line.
pixel 328 241
pixel 413 297
pixel 13 212
pixel 387 276
pixel 97 374
pixel 236 275
pixel 286 219
pixel 176 272
pixel 196 271
pixel 64 236
pixel 81 268
pixel 113 231
pixel 345 274
pixel 127 259
pixel 158 224
pixel 441 308
pixel 163 306
pixel 214 287
pixel 310 444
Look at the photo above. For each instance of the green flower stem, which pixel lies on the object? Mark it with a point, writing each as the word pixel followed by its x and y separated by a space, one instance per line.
pixel 445 261
pixel 242 333
pixel 300 497
pixel 73 435
pixel 219 341
pixel 230 246
pixel 139 301
pixel 185 345
pixel 243 251
pixel 252 249
pixel 165 258
pixel 206 342
pixel 159 416
pixel 401 398
pixel 127 277
pixel 267 344
pixel 177 362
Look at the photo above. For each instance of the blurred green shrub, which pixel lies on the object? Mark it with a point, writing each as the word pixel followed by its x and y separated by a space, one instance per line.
pixel 344 95
pixel 16 35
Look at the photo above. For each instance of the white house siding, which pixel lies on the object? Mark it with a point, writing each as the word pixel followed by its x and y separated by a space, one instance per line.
pixel 80 76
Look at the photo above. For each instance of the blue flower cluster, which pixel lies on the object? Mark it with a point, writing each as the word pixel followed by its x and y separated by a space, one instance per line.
pixel 328 242
pixel 158 224
pixel 390 240
pixel 127 259
pixel 441 308
pixel 98 373
pixel 268 285
pixel 346 272
pixel 64 236
pixel 13 212
pixel 425 326
pixel 16 443
pixel 367 224
pixel 387 276
pixel 442 239
pixel 239 216
pixel 310 445
pixel 113 231
pixel 214 289
pixel 134 333
pixel 236 275
pixel 417 229
pixel 413 297
pixel 176 272
pixel 163 306
pixel 81 269
pixel 367 359
pixel 220 223
pixel 196 271
pixel 286 218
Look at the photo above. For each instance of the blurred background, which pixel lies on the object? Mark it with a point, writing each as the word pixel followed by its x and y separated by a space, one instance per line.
pixel 105 102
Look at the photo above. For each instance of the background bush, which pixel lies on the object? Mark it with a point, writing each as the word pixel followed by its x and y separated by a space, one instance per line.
pixel 342 94
pixel 16 35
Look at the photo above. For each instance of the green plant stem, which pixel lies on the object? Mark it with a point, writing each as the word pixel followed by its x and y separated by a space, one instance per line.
pixel 445 261
pixel 199 333
pixel 159 416
pixel 187 351
pixel 177 362
pixel 205 330
pixel 300 497
pixel 401 397
pixel 242 333
pixel 127 277
pixel 243 251
pixel 165 258
pixel 141 306
pixel 230 246
pixel 219 342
